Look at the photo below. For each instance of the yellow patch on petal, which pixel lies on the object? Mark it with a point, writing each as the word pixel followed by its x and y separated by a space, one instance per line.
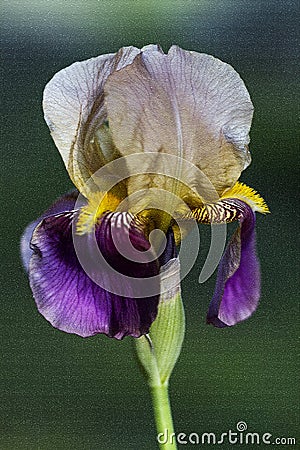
pixel 247 195
pixel 225 211
pixel 98 204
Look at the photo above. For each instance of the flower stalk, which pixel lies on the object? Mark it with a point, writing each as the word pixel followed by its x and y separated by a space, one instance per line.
pixel 159 391
pixel 163 416
pixel 159 350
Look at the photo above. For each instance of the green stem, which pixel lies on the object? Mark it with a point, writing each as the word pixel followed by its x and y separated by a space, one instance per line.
pixel 163 417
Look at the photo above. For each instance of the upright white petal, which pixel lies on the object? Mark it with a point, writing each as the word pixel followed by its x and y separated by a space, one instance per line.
pixel 74 110
pixel 184 103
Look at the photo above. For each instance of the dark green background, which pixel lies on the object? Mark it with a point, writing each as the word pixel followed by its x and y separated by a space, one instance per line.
pixel 59 391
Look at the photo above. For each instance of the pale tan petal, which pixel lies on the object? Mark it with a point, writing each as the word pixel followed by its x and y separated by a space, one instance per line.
pixel 184 103
pixel 75 113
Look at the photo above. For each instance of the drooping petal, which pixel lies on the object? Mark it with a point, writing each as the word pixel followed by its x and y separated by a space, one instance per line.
pixel 75 113
pixel 66 295
pixel 237 289
pixel 63 204
pixel 184 103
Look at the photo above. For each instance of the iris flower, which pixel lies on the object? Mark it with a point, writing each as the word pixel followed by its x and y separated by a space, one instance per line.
pixel 183 105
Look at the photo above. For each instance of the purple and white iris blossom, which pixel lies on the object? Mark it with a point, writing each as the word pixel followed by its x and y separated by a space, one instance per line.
pixel 177 127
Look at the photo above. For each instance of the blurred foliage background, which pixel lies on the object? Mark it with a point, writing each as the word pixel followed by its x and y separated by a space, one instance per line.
pixel 59 391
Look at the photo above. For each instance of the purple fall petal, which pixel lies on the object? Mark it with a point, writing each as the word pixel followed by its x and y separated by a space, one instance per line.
pixel 64 203
pixel 237 289
pixel 68 298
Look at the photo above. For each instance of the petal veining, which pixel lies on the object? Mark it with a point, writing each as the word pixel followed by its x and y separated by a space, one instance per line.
pixel 74 111
pixel 184 103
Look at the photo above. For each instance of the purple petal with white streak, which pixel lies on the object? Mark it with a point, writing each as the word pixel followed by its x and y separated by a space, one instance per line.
pixel 69 299
pixel 237 289
pixel 64 203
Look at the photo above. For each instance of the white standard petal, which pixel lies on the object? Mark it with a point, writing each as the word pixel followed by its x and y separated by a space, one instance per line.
pixel 184 103
pixel 74 110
